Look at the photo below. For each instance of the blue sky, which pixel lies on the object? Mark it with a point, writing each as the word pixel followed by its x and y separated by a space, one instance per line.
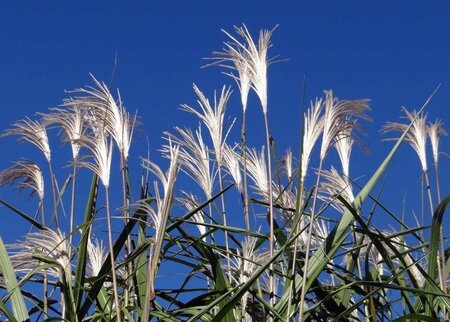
pixel 394 53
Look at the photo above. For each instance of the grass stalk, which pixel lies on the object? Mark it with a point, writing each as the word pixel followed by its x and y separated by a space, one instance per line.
pixel 45 282
pixel 244 163
pixel 438 183
pixel 271 224
pixel 55 205
pixel 72 205
pixel 299 206
pixel 125 195
pixel 224 220
pixel 111 250
pixel 428 188
pixel 297 219
pixel 308 243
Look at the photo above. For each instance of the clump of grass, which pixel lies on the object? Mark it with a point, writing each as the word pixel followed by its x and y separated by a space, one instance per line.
pixel 317 254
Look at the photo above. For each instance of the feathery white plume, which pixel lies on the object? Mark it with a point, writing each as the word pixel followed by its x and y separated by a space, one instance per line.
pixel 33 132
pixel 256 167
pixel 233 166
pixel 416 136
pixel 435 131
pixel 212 117
pixel 344 144
pixel 335 184
pixel 312 128
pixel 194 157
pixel 100 148
pixel 71 123
pixel 97 255
pixel 250 60
pixel 288 164
pixel 163 201
pixel 52 244
pixel 339 118
pixel 27 174
pixel 190 202
pixel 117 121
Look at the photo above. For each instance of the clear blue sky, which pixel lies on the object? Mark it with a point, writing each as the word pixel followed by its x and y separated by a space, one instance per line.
pixel 393 52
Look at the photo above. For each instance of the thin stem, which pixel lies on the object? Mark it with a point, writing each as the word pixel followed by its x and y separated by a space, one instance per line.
pixel 422 200
pixel 45 304
pixel 299 206
pixel 292 283
pixel 308 244
pixel 41 206
pixel 244 162
pixel 55 214
pixel 298 203
pixel 430 201
pixel 72 205
pixel 113 262
pixel 124 171
pixel 224 220
pixel 149 287
pixel 211 221
pixel 271 235
pixel 438 183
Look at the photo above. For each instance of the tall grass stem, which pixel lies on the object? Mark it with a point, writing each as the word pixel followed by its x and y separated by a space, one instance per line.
pixel 270 192
pixel 113 262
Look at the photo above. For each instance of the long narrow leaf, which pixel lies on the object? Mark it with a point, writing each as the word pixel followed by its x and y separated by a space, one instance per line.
pixel 82 247
pixel 17 301
pixel 433 264
pixel 23 215
pixel 7 312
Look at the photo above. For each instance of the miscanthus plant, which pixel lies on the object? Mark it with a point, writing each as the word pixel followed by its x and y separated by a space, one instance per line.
pixel 104 253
